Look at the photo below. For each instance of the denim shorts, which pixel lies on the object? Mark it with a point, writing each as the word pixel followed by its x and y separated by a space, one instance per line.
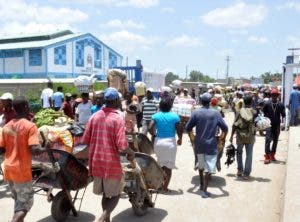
pixel 207 163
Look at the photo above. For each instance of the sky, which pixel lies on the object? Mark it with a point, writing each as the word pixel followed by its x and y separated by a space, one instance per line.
pixel 172 35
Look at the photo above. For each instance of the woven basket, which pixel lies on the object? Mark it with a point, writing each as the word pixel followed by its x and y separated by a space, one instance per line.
pixel 83 88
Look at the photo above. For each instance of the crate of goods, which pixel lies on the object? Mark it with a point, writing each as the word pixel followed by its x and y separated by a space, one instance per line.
pixel 83 84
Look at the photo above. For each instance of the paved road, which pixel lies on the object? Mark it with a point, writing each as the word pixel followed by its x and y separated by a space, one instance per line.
pixel 259 199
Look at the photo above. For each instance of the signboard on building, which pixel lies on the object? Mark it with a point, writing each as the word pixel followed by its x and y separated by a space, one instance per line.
pixel 153 80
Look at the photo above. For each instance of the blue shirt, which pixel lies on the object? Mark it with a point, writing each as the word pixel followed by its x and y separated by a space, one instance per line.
pixel 207 121
pixel 165 123
pixel 58 99
pixel 95 108
pixel 295 99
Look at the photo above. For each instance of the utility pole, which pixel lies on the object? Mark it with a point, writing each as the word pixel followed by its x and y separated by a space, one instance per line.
pixel 227 68
pixel 186 72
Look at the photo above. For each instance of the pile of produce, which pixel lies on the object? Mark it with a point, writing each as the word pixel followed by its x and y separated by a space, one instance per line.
pixel 49 117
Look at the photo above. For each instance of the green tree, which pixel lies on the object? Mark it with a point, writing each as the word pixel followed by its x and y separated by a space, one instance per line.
pixel 269 77
pixel 170 77
pixel 197 76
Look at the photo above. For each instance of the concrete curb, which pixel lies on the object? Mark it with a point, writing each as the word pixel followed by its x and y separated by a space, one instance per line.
pixel 291 208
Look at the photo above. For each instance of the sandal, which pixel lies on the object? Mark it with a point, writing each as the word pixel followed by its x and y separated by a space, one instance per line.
pixel 246 177
pixel 239 173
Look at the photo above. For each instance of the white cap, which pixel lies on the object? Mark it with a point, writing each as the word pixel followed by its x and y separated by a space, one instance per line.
pixel 150 89
pixel 7 96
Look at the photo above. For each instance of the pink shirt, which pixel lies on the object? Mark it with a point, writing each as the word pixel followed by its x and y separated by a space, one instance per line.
pixel 105 135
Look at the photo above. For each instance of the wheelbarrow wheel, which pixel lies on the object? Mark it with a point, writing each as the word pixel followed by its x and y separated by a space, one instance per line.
pixel 140 209
pixel 61 206
pixel 140 203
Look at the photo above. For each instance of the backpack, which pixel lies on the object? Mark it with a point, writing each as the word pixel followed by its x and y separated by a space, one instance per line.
pixel 245 125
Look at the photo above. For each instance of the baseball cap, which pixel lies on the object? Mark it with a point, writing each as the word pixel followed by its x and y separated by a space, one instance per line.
pixel 206 97
pixel 78 100
pixel 214 101
pixel 274 91
pixel 150 89
pixel 240 92
pixel 7 96
pixel 111 94
pixel 68 95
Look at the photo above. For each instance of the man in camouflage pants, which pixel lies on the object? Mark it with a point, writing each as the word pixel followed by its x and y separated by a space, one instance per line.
pixel 19 140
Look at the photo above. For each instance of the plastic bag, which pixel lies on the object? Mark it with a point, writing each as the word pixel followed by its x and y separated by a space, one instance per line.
pixel 262 122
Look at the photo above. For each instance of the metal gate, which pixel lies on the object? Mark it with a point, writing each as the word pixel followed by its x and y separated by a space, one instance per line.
pixel 134 73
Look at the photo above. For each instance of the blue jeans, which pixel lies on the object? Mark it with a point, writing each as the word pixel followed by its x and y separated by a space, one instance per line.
pixel 239 157
pixel 272 134
pixel 294 117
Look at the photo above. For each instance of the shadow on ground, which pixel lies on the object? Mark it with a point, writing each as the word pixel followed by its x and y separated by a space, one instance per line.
pixel 82 217
pixel 171 192
pixel 153 215
pixel 252 179
pixel 214 182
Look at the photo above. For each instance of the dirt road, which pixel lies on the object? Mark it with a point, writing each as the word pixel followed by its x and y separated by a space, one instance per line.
pixel 259 199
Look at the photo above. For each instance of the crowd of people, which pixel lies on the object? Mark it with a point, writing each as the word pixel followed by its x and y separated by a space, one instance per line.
pixel 108 116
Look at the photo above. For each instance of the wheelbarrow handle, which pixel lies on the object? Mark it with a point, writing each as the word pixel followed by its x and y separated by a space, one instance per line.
pixel 54 163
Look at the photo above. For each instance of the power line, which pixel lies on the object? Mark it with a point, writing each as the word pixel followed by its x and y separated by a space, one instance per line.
pixel 227 68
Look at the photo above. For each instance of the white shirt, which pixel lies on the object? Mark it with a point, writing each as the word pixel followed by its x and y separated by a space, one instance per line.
pixel 46 94
pixel 84 112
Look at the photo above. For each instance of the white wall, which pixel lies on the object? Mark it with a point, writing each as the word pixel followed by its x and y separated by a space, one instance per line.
pixel 88 68
pixel 60 68
pixel 35 69
pixel 14 65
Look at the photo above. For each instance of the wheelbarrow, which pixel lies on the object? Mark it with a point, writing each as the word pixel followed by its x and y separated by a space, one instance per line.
pixel 60 170
pixel 143 178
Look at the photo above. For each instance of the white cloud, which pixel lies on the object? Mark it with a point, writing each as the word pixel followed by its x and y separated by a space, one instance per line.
pixel 120 3
pixel 117 23
pixel 128 41
pixel 225 52
pixel 15 28
pixel 257 39
pixel 138 3
pixel 240 15
pixel 21 11
pixel 21 17
pixel 290 5
pixel 185 41
pixel 238 32
pixel 293 40
pixel 168 10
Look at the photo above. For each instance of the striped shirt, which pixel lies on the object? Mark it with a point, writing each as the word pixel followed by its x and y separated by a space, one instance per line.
pixel 149 107
pixel 105 135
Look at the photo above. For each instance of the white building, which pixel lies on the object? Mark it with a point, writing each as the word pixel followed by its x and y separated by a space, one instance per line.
pixel 56 55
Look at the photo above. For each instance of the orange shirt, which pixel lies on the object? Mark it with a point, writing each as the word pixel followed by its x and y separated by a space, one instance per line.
pixel 17 136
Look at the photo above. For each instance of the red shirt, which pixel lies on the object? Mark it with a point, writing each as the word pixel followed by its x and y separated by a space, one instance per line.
pixel 105 135
pixel 17 137
pixel 67 108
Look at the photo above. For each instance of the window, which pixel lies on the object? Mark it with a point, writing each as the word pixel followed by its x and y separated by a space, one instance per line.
pixel 35 57
pixel 60 57
pixel 97 55
pixel 13 53
pixel 112 60
pixel 80 53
